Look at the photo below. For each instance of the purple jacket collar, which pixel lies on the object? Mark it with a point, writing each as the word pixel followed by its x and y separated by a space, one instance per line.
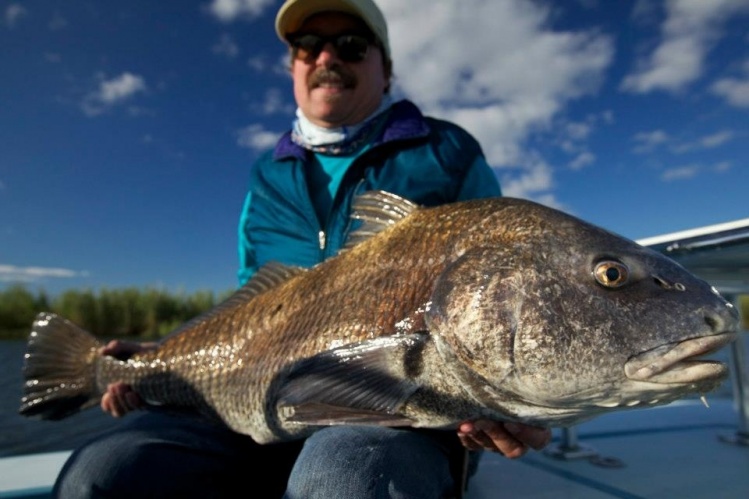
pixel 405 121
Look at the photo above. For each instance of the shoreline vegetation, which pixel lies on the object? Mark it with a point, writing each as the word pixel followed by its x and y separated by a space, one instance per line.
pixel 128 313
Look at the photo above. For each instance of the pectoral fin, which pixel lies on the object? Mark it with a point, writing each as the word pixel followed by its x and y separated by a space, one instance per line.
pixel 362 383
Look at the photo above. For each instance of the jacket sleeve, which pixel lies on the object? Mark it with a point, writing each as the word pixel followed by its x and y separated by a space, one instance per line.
pixel 247 260
pixel 479 181
pixel 459 153
pixel 462 153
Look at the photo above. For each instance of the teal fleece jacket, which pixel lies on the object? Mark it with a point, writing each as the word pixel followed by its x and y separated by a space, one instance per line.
pixel 425 160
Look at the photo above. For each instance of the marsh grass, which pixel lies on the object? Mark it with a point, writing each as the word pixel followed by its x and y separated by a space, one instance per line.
pixel 111 313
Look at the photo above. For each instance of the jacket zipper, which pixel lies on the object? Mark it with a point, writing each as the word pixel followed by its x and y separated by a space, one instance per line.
pixel 321 235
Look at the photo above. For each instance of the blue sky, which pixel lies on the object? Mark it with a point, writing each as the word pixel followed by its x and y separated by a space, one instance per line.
pixel 128 129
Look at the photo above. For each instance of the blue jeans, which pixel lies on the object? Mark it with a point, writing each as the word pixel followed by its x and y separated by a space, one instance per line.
pixel 157 455
pixel 372 462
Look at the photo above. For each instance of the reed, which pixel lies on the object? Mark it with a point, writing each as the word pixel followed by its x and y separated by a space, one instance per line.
pixel 110 313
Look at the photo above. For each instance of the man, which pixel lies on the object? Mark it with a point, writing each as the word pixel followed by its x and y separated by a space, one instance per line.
pixel 348 137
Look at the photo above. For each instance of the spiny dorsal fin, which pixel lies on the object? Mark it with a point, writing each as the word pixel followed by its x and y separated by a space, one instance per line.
pixel 378 210
pixel 267 277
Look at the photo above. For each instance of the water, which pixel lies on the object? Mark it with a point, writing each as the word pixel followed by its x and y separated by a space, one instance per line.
pixel 20 435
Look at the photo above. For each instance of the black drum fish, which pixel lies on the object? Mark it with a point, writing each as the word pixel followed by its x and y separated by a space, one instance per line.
pixel 495 308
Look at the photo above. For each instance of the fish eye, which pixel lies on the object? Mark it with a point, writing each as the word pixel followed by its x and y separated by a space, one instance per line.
pixel 611 274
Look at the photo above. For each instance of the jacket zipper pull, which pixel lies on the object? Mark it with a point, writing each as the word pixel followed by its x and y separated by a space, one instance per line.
pixel 321 239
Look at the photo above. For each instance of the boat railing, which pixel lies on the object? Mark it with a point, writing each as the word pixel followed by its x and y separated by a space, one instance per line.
pixel 740 379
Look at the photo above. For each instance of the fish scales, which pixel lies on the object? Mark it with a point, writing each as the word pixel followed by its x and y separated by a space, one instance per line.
pixel 499 308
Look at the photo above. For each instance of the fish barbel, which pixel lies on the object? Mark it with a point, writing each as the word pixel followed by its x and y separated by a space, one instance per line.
pixel 495 308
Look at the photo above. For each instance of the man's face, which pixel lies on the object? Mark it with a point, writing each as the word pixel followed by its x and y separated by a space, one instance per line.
pixel 329 91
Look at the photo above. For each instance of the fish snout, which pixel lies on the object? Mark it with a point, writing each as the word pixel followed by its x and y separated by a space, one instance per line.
pixel 714 324
pixel 719 314
pixel 723 316
pixel 724 320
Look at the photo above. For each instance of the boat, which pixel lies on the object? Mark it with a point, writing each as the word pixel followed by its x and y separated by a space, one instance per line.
pixel 690 449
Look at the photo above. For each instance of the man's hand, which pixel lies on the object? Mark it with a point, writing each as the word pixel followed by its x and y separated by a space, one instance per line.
pixel 509 439
pixel 120 398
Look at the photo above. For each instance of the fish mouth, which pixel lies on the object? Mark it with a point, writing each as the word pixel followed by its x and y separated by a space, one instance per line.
pixel 677 362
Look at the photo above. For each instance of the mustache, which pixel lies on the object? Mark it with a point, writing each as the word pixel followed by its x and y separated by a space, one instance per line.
pixel 334 75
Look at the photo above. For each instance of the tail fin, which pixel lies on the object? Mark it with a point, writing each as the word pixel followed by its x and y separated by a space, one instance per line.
pixel 59 369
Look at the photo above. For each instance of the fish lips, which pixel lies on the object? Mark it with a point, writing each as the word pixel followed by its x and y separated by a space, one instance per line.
pixel 676 362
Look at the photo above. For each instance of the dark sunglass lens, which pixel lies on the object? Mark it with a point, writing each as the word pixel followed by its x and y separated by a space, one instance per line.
pixel 352 48
pixel 308 46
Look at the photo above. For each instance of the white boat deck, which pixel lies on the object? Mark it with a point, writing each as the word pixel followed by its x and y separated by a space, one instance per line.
pixel 671 452
pixel 30 476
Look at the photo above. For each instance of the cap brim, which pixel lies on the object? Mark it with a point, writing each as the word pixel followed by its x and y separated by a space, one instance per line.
pixel 293 14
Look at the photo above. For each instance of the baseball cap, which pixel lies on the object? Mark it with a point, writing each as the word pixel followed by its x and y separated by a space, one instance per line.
pixel 293 13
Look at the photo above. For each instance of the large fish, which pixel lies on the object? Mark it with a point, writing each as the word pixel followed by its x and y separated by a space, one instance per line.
pixel 496 308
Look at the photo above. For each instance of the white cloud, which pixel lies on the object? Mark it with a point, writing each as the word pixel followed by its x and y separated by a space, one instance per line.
pixel 257 63
pixel 680 173
pixel 12 273
pixel 536 178
pixel 722 166
pixel 578 131
pixel 690 30
pixel 706 142
pixel 688 172
pixel 496 68
pixel 226 46
pixel 230 10
pixel 112 92
pixel 58 22
pixel 52 57
pixel 645 11
pixel 257 138
pixel 734 90
pixel 573 137
pixel 275 102
pixel 13 13
pixel 647 141
pixel 716 139
pixel 582 160
pixel 121 88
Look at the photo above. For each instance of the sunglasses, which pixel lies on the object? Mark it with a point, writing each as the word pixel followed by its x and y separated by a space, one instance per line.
pixel 350 48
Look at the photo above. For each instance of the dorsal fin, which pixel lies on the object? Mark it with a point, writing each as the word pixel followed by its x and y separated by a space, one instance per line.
pixel 267 277
pixel 378 210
